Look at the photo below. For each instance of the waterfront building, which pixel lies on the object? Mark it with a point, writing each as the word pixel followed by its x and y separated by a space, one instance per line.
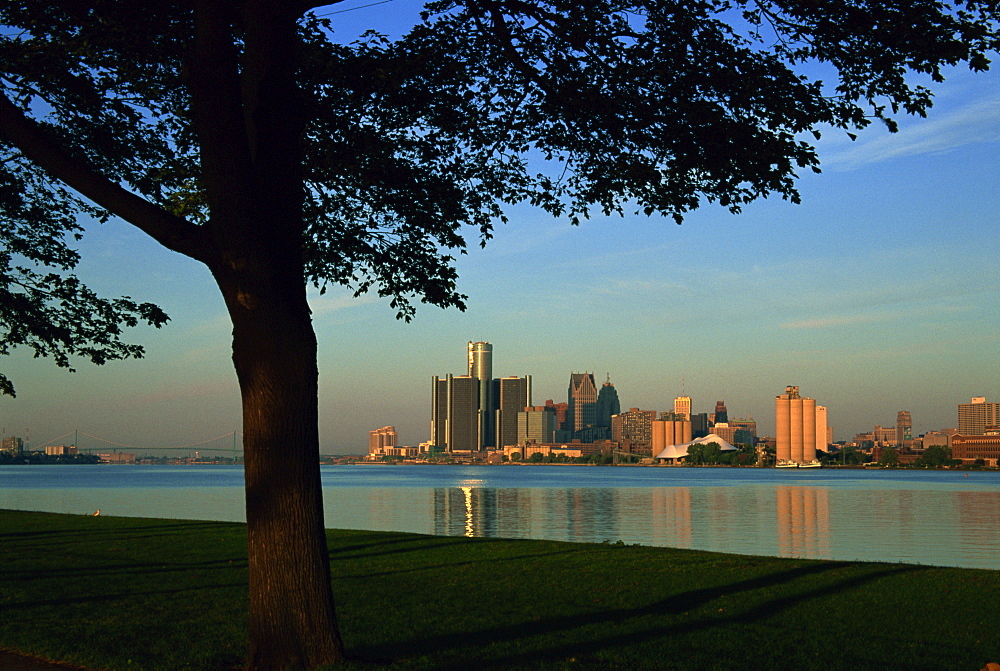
pixel 884 436
pixel 904 428
pixel 721 414
pixel 634 427
pixel 12 445
pixel 380 439
pixel 62 451
pixel 607 404
pixel 562 414
pixel 480 366
pixel 699 424
pixel 682 406
pixel 536 425
pixel 673 428
pixel 972 448
pixel 727 432
pixel 975 416
pixel 513 397
pixel 941 438
pixel 795 420
pixel 582 400
pixel 748 425
pixel 824 434
pixel 455 413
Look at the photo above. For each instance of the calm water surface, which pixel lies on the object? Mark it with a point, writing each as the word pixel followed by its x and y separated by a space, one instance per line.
pixel 929 517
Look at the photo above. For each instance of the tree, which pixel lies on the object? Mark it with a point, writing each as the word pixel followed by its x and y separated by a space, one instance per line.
pixel 889 457
pixel 934 456
pixel 238 133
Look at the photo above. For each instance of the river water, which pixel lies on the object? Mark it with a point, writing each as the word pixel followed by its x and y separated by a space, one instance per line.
pixel 941 518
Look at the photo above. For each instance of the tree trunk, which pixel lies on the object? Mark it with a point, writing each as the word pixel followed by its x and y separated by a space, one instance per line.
pixel 247 109
pixel 292 618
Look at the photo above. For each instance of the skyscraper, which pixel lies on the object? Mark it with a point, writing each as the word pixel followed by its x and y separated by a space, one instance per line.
pixel 634 427
pixel 974 417
pixel 455 413
pixel 582 399
pixel 682 406
pixel 379 439
pixel 514 397
pixel 607 404
pixel 721 414
pixel 904 427
pixel 536 425
pixel 795 419
pixel 480 360
pixel 823 437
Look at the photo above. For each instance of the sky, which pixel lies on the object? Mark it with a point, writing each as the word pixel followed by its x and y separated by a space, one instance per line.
pixel 878 293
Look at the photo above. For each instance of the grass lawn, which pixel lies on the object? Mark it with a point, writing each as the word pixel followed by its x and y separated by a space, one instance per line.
pixel 123 593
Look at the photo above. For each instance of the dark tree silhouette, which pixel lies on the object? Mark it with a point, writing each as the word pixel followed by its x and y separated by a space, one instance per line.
pixel 238 133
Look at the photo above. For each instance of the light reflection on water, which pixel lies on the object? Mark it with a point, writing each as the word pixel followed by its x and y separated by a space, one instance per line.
pixel 940 518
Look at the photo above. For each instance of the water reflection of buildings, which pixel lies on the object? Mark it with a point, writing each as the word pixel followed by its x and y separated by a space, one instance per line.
pixel 671 514
pixel 467 510
pixel 803 521
pixel 572 514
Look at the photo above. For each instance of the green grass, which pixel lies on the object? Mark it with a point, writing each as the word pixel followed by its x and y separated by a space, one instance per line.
pixel 121 593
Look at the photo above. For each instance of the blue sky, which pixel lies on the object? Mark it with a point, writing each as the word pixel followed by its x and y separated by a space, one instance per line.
pixel 878 293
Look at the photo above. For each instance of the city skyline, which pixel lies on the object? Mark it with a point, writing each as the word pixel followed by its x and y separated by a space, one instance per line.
pixel 876 294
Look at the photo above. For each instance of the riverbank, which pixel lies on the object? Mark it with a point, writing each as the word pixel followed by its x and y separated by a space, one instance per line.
pixel 128 593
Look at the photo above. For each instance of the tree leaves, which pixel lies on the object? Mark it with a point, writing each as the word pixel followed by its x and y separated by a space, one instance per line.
pixel 413 145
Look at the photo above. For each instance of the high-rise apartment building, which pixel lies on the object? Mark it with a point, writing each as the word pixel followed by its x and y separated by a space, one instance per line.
pixel 974 417
pixel 607 404
pixel 682 406
pixel 514 397
pixel 582 399
pixel 795 421
pixel 379 439
pixel 634 427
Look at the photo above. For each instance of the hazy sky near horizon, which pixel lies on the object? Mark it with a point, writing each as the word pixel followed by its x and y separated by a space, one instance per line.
pixel 878 293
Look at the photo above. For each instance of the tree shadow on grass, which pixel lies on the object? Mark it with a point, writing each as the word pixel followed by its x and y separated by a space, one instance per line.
pixel 465 649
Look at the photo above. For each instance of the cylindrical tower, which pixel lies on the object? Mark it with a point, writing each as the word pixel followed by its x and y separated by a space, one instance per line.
pixel 808 430
pixel 659 436
pixel 481 368
pixel 795 429
pixel 783 439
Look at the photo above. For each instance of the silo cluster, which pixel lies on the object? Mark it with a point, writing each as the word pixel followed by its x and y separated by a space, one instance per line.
pixel 795 420
pixel 670 432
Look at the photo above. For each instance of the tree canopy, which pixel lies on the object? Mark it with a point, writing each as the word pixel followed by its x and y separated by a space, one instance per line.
pixel 406 145
pixel 241 134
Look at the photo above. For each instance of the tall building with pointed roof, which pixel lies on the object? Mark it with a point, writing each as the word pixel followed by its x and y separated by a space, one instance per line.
pixel 607 404
pixel 582 399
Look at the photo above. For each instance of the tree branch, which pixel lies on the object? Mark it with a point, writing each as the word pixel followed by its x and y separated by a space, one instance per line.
pixel 45 150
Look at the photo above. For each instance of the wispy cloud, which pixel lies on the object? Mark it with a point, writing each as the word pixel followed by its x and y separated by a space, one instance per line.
pixel 331 302
pixel 844 320
pixel 942 132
